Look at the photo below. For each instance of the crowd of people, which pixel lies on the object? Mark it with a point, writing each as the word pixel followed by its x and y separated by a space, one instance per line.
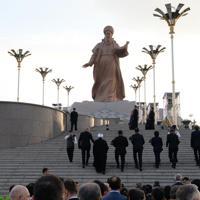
pixel 120 143
pixel 51 187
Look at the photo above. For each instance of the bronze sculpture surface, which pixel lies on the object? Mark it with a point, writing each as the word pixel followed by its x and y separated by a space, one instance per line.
pixel 108 83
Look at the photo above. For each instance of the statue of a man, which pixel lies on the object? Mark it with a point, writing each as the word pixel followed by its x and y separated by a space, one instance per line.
pixel 108 83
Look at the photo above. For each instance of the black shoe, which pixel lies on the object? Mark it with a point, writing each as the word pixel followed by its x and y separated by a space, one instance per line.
pixel 122 170
pixel 83 166
pixel 173 166
pixel 136 166
pixel 140 169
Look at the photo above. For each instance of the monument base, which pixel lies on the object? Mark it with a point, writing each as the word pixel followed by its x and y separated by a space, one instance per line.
pixel 105 110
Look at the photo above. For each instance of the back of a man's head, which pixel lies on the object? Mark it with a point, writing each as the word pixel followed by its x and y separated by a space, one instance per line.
pixel 178 177
pixel 114 183
pixel 120 132
pixel 89 191
pixel 188 192
pixel 70 186
pixel 48 187
pixel 158 194
pixel 45 171
pixel 196 182
pixel 19 192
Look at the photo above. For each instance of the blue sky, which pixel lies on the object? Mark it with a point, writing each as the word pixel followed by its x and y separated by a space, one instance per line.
pixel 61 34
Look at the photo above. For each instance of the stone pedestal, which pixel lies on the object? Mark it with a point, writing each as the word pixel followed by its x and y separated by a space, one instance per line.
pixel 112 111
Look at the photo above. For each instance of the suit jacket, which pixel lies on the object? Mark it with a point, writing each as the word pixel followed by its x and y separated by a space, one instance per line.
pixel 195 139
pixel 114 195
pixel 73 116
pixel 137 141
pixel 120 143
pixel 172 141
pixel 84 140
pixel 157 144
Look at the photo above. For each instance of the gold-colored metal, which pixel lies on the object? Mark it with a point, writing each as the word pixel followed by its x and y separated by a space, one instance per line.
pixel 171 17
pixel 153 52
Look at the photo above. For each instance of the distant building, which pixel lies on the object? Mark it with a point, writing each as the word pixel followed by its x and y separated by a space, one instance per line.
pixel 167 106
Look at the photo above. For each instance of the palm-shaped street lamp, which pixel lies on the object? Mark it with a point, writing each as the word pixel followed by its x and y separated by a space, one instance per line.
pixel 43 72
pixel 171 18
pixel 19 57
pixel 139 80
pixel 58 83
pixel 68 88
pixel 153 52
pixel 135 87
pixel 144 69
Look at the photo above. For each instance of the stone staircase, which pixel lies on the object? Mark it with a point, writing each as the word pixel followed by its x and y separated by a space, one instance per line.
pixel 23 165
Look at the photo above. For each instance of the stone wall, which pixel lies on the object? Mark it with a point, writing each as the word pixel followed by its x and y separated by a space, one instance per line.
pixel 22 123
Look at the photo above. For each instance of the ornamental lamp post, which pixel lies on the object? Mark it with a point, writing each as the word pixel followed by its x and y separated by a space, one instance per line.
pixel 43 72
pixel 171 18
pixel 58 82
pixel 68 88
pixel 139 81
pixel 135 87
pixel 144 69
pixel 19 57
pixel 153 52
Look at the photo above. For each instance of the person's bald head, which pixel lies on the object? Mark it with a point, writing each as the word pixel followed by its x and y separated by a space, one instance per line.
pixel 19 192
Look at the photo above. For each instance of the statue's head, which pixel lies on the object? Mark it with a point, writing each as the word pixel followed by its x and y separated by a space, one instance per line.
pixel 108 28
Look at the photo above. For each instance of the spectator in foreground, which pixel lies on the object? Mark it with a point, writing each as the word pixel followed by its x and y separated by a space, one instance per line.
pixel 89 191
pixel 45 171
pixel 115 185
pixel 196 182
pixel 136 194
pixel 158 194
pixel 188 192
pixel 178 179
pixel 19 192
pixel 103 187
pixel 48 187
pixel 70 189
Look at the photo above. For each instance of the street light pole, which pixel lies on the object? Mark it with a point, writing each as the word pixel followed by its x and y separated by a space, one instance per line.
pixel 144 71
pixel 171 18
pixel 43 72
pixel 19 56
pixel 68 88
pixel 139 81
pixel 135 87
pixel 153 52
pixel 58 83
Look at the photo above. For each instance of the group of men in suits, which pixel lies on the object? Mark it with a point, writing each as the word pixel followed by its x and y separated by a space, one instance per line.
pixel 100 148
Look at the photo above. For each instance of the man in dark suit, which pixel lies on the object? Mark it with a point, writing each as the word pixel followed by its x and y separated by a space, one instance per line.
pixel 133 122
pixel 172 144
pixel 120 143
pixel 70 189
pixel 73 119
pixel 138 141
pixel 84 144
pixel 195 144
pixel 115 185
pixel 157 144
pixel 100 149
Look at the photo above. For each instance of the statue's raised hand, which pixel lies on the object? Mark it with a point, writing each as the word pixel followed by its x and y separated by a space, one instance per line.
pixel 86 65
